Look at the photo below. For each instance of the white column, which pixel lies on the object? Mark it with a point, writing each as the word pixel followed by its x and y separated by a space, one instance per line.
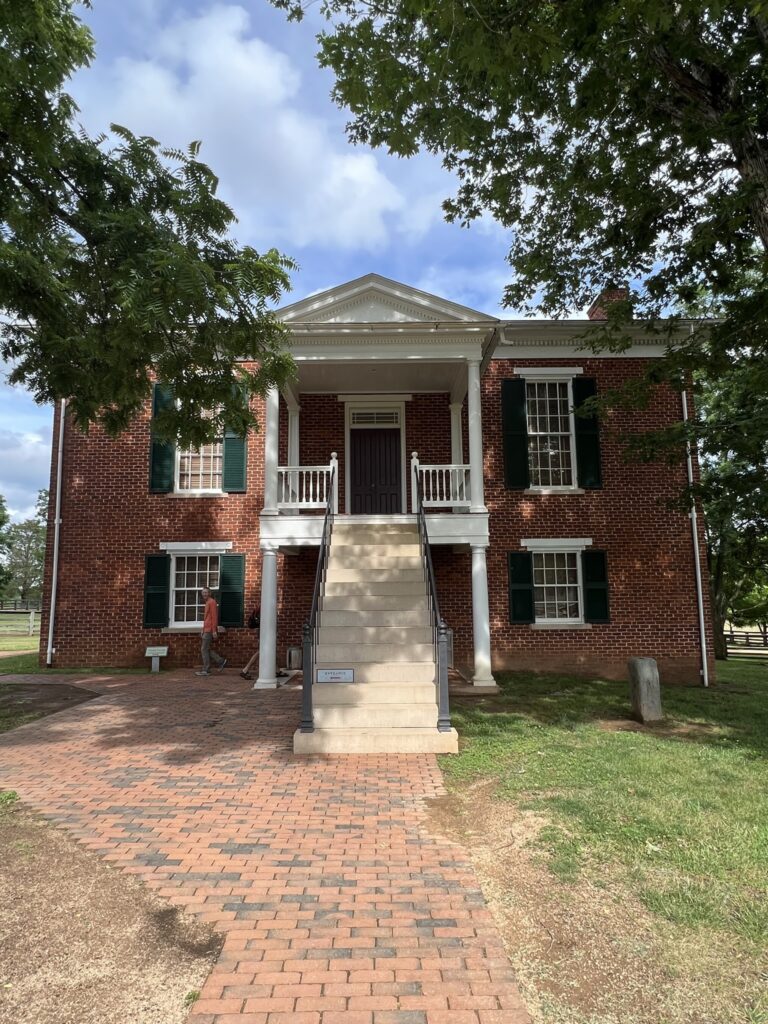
pixel 457 452
pixel 475 422
pixel 271 442
pixel 457 443
pixel 268 633
pixel 481 619
pixel 414 481
pixel 294 457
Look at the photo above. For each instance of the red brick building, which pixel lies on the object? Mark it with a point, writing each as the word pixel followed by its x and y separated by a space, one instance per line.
pixel 551 551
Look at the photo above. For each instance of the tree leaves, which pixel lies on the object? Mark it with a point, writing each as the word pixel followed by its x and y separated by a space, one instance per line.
pixel 116 263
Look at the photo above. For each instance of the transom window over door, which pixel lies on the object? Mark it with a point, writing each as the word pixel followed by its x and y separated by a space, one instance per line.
pixel 190 574
pixel 550 446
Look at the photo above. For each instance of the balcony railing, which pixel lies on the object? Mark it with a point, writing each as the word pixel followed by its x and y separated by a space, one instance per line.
pixel 445 486
pixel 307 487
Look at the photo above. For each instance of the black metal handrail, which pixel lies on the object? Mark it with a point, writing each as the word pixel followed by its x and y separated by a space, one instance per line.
pixel 312 625
pixel 439 628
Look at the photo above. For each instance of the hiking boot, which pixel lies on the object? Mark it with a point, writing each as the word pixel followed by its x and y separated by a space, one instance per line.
pixel 202 673
pixel 246 675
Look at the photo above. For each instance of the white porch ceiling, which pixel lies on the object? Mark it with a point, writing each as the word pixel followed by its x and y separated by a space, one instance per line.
pixel 380 376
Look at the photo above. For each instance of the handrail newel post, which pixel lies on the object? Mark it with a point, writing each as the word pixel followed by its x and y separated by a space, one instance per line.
pixel 443 710
pixel 308 668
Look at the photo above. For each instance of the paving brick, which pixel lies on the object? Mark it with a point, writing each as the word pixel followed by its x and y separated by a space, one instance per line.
pixel 258 834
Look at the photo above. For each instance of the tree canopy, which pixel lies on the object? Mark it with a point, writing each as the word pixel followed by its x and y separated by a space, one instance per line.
pixel 116 262
pixel 617 141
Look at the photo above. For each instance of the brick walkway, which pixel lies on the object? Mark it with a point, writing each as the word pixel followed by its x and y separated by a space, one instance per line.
pixel 338 907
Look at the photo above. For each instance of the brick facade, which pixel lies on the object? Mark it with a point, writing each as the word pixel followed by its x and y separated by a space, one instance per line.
pixel 110 522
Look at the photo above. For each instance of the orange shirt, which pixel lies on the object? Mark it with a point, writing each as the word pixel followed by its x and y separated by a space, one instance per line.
pixel 211 620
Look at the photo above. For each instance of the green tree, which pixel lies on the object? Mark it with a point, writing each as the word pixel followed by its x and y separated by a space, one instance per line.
pixel 25 558
pixel 4 520
pixel 115 258
pixel 621 141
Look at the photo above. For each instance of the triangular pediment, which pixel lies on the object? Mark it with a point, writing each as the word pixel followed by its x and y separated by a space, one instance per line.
pixel 376 299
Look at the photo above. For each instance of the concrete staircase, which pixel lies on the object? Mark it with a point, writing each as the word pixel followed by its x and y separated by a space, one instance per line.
pixel 374 619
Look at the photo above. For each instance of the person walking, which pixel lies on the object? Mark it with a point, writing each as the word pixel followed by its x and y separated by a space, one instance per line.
pixel 254 622
pixel 209 634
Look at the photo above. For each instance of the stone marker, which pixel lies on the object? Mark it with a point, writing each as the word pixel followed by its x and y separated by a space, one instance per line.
pixel 644 689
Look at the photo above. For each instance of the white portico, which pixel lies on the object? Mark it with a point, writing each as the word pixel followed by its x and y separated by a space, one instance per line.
pixel 403 368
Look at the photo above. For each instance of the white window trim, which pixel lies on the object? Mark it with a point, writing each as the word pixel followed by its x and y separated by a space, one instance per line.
pixel 195 492
pixel 181 549
pixel 573 545
pixel 547 372
pixel 556 544
pixel 196 547
pixel 552 375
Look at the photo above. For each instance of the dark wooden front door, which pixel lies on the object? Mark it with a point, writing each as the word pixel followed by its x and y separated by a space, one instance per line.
pixel 375 472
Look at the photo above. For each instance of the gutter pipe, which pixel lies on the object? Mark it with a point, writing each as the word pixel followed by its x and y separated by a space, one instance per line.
pixel 693 516
pixel 56 531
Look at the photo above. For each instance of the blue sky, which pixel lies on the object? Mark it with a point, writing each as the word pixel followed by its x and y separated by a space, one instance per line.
pixel 241 79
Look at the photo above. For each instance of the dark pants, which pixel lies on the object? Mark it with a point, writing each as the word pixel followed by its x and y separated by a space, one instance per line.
pixel 208 655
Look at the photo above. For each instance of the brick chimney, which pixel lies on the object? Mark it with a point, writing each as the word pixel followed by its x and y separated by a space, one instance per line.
pixel 599 308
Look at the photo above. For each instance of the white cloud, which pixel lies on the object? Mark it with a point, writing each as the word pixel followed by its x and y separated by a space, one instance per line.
pixel 290 174
pixel 24 470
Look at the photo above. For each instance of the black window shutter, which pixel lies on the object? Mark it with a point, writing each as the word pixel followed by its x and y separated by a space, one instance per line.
pixel 162 457
pixel 514 429
pixel 157 581
pixel 588 469
pixel 231 589
pixel 520 566
pixel 594 575
pixel 234 462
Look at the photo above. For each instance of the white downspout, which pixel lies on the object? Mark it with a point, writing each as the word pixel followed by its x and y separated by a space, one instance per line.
pixel 56 525
pixel 693 515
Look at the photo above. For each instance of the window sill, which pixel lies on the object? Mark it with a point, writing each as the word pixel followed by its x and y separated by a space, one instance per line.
pixel 187 628
pixel 554 490
pixel 561 625
pixel 196 494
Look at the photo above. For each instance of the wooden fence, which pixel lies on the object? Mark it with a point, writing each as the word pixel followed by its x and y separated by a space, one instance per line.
pixel 742 641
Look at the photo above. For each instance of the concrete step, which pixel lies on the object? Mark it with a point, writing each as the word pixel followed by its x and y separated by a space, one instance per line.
pixel 354 654
pixel 375 634
pixel 363 574
pixel 373 559
pixel 377 588
pixel 376 616
pixel 398 548
pixel 375 716
pixel 373 693
pixel 365 602
pixel 376 741
pixel 404 672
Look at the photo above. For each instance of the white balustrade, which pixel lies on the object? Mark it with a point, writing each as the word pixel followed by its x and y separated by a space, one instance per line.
pixel 444 486
pixel 300 487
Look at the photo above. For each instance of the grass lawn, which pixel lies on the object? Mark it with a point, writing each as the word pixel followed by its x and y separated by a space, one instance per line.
pixel 19 643
pixel 28 664
pixel 671 822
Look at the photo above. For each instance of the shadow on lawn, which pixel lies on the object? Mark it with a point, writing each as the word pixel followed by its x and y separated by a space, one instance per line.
pixel 732 713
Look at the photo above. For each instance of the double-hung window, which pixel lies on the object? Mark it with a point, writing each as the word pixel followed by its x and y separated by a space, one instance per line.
pixel 556 586
pixel 546 446
pixel 558 583
pixel 549 415
pixel 190 573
